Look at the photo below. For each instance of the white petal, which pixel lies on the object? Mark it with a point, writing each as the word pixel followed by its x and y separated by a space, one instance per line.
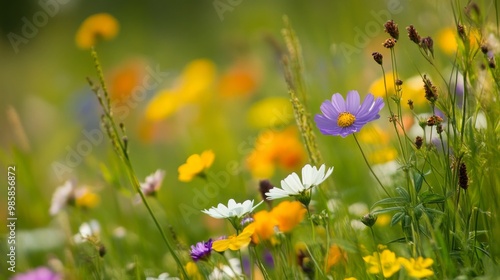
pixel 292 183
pixel 276 193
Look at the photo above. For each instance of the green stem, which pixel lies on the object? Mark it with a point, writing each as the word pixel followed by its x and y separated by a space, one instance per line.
pixel 369 167
pixel 121 149
pixel 253 252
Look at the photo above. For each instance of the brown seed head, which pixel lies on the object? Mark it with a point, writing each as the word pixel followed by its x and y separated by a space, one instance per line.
pixel 410 104
pixel 413 34
pixel 392 29
pixel 431 93
pixel 377 57
pixel 463 179
pixel 418 142
pixel 389 43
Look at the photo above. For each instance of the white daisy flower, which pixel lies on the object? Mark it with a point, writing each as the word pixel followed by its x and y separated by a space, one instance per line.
pixel 293 186
pixel 233 209
pixel 62 196
pixel 153 182
pixel 87 230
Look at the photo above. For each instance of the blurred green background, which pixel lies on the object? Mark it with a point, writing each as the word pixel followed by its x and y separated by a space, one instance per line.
pixel 45 83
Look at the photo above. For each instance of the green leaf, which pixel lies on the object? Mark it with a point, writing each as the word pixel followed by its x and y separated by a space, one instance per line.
pixel 391 200
pixel 399 240
pixel 402 192
pixel 418 179
pixel 396 218
pixel 428 198
pixel 388 209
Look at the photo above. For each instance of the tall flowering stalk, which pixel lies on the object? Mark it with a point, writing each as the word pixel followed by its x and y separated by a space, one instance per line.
pixel 119 142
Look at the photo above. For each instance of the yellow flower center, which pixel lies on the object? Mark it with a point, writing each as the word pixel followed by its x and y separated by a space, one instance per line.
pixel 345 119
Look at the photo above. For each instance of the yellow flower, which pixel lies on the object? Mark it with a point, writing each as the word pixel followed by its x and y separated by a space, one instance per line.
pixel 85 198
pixel 195 81
pixel 270 112
pixel 447 41
pixel 418 268
pixel 95 27
pixel 197 77
pixel 412 88
pixel 162 105
pixel 195 165
pixel 192 271
pixel 350 278
pixel 335 255
pixel 235 242
pixel 276 148
pixel 386 260
pixel 373 134
pixel 383 155
pixel 383 220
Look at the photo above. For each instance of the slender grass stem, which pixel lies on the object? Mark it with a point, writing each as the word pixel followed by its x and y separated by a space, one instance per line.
pixel 122 151
pixel 369 166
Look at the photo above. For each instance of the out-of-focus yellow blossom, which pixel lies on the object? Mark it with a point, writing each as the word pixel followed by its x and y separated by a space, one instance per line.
pixel 383 155
pixel 235 242
pixel 335 255
pixel 163 105
pixel 96 27
pixel 383 220
pixel 447 40
pixel 193 272
pixel 412 88
pixel 196 79
pixel 385 261
pixel 350 278
pixel 418 268
pixel 379 140
pixel 124 79
pixel 192 86
pixel 373 134
pixel 270 112
pixel 284 217
pixel 240 80
pixel 195 165
pixel 85 198
pixel 276 148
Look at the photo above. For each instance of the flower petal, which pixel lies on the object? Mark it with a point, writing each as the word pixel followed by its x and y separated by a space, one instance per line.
pixel 352 101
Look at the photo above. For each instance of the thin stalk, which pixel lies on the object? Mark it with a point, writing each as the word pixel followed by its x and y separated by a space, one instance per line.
pixel 121 149
pixel 369 166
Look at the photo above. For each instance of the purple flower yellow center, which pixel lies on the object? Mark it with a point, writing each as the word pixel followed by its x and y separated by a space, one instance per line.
pixel 345 119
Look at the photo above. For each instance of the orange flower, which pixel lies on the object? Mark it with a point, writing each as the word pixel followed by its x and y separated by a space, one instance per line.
pixel 276 148
pixel 195 165
pixel 96 27
pixel 264 226
pixel 335 255
pixel 240 80
pixel 284 217
pixel 288 214
pixel 124 79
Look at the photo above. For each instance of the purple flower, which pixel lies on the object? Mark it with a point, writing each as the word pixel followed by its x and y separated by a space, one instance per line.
pixel 201 250
pixel 346 117
pixel 40 273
